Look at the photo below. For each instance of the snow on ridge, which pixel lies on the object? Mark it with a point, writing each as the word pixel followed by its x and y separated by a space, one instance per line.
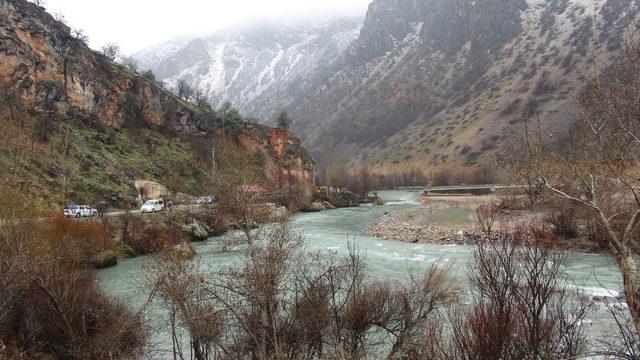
pixel 247 65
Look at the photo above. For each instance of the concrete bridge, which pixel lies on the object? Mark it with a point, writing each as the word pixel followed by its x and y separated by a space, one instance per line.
pixel 468 189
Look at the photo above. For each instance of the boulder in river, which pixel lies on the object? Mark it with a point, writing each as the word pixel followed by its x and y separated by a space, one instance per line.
pixel 104 259
pixel 314 207
pixel 197 231
pixel 280 214
pixel 184 250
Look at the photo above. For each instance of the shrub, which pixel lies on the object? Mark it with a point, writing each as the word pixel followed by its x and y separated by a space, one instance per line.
pixel 564 222
pixel 148 237
pixel 259 158
pixel 510 321
pixel 50 305
pixel 488 217
pixel 77 241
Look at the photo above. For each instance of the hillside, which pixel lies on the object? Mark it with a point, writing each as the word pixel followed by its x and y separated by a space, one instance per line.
pixel 430 82
pixel 79 126
pixel 255 67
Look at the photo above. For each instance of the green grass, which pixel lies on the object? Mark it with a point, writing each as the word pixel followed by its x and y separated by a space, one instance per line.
pixel 109 161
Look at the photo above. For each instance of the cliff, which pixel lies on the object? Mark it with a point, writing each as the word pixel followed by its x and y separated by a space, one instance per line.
pixel 421 83
pixel 125 126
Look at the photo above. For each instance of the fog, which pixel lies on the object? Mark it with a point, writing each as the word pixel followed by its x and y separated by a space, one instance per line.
pixel 138 24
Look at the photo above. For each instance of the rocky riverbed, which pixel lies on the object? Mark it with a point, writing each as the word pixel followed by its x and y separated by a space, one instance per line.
pixel 416 225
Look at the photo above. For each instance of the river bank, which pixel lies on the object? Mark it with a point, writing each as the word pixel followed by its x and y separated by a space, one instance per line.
pixel 335 232
pixel 415 225
pixel 451 220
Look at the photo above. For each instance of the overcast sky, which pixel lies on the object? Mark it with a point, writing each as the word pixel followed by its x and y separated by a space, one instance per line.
pixel 138 24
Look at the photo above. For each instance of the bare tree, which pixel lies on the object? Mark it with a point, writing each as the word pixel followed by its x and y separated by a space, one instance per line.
pixel 520 308
pixel 130 63
pixel 488 216
pixel 80 35
pixel 177 281
pixel 239 185
pixel 596 168
pixel 184 90
pixel 201 99
pixel 111 51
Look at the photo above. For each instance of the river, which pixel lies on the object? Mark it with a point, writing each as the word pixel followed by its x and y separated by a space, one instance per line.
pixel 332 230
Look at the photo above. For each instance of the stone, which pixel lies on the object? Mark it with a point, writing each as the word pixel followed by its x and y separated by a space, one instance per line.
pixel 328 205
pixel 197 231
pixel 104 259
pixel 185 250
pixel 314 207
pixel 280 214
pixel 150 190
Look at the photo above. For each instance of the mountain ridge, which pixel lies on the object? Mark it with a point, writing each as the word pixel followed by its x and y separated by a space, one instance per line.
pixel 426 82
pixel 241 64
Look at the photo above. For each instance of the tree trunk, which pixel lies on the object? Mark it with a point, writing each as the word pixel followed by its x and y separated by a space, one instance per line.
pixel 629 270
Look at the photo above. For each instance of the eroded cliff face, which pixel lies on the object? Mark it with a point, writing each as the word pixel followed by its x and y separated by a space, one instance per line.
pixel 52 73
pixel 285 155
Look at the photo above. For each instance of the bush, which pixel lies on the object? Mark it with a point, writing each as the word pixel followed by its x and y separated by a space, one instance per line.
pixel 50 305
pixel 488 217
pixel 259 158
pixel 564 222
pixel 77 241
pixel 148 237
pixel 458 175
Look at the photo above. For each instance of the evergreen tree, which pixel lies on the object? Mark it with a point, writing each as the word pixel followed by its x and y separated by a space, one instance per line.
pixel 283 120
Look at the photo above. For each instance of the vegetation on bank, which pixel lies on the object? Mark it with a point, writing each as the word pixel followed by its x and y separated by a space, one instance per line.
pixel 279 301
pixel 50 304
pixel 71 157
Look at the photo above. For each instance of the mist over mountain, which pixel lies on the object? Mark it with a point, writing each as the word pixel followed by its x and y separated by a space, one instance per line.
pixel 255 67
pixel 420 82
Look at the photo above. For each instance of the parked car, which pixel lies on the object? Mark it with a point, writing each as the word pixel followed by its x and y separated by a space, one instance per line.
pixel 153 206
pixel 79 211
pixel 211 199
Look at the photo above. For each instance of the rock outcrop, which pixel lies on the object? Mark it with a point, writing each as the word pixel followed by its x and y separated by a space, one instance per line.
pixel 422 82
pixel 54 74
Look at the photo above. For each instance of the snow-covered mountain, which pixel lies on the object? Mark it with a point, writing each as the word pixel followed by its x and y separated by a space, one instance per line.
pixel 255 68
pixel 417 82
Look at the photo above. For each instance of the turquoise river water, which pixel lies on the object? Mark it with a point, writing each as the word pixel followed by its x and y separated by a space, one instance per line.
pixel 333 230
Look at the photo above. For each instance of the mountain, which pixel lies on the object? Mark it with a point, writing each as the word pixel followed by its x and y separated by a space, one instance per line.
pixel 424 83
pixel 255 67
pixel 75 123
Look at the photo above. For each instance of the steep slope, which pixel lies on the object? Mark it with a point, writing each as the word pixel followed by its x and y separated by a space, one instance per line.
pixel 257 68
pixel 428 82
pixel 75 122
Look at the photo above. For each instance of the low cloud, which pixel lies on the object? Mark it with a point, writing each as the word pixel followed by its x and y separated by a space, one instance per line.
pixel 142 23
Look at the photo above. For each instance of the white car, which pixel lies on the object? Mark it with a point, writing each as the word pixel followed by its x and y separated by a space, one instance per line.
pixel 203 200
pixel 79 211
pixel 152 206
